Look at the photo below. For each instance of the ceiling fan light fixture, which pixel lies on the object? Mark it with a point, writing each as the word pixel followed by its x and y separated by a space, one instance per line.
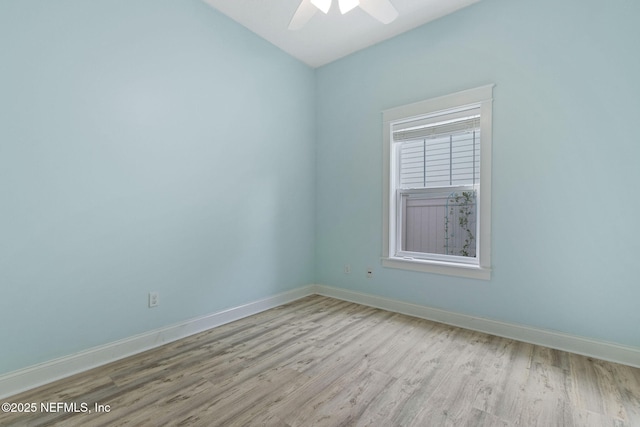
pixel 382 10
pixel 347 5
pixel 323 5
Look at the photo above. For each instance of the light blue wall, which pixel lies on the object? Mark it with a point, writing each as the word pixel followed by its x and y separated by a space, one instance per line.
pixel 565 161
pixel 144 145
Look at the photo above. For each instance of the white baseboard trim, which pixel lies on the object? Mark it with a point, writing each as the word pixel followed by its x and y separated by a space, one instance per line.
pixel 37 375
pixel 560 341
pixel 44 373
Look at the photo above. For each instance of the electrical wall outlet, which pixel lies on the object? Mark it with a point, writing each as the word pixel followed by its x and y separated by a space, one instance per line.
pixel 369 272
pixel 347 269
pixel 154 299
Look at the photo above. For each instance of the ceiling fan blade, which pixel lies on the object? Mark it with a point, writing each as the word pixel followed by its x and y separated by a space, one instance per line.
pixel 303 14
pixel 347 5
pixel 382 10
pixel 323 5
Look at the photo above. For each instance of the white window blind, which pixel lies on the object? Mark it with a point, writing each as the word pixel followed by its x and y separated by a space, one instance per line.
pixel 439 151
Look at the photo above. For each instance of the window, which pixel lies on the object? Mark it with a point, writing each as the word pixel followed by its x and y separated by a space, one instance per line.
pixel 437 206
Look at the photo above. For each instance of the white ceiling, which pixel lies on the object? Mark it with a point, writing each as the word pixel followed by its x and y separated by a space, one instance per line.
pixel 326 38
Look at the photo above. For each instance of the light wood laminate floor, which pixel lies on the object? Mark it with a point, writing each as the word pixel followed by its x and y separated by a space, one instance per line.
pixel 324 362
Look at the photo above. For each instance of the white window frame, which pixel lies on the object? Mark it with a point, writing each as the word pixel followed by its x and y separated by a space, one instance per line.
pixel 392 257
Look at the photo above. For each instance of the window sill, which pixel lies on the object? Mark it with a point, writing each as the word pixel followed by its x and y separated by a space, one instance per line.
pixel 437 267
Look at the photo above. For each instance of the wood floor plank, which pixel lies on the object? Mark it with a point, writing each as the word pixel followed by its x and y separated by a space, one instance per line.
pixel 511 402
pixel 343 401
pixel 324 362
pixel 495 367
pixel 417 377
pixel 627 379
pixel 477 417
pixel 329 362
pixel 450 402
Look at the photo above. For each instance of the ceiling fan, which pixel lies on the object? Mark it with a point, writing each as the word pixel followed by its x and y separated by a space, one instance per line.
pixel 382 10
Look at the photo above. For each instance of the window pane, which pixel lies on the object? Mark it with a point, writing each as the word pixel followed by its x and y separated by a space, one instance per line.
pixel 439 223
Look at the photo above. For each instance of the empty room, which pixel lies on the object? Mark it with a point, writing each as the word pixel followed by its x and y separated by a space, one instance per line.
pixel 319 213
